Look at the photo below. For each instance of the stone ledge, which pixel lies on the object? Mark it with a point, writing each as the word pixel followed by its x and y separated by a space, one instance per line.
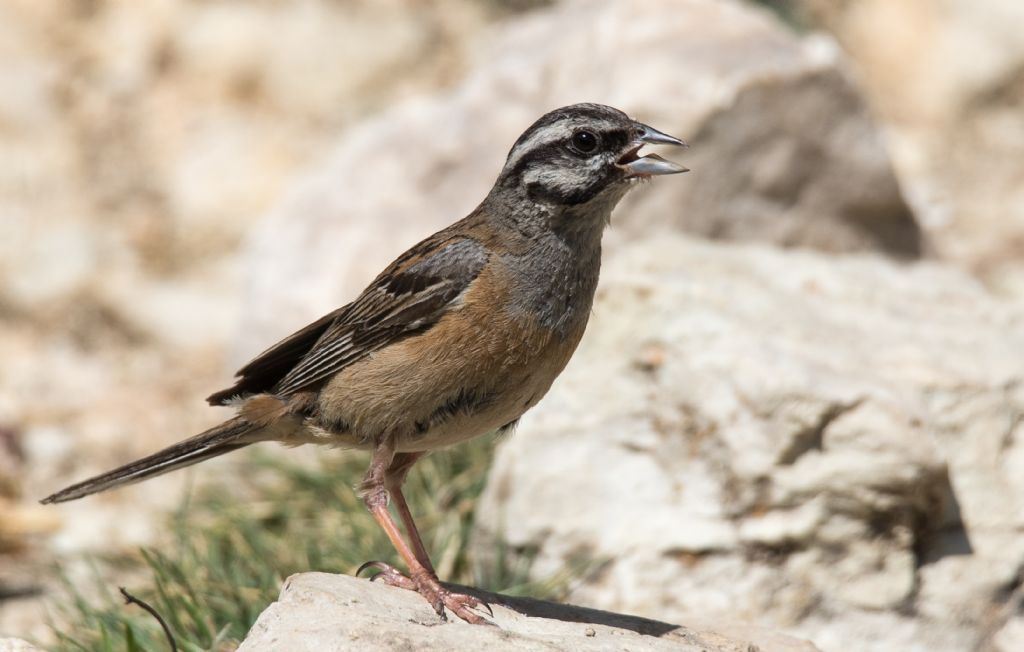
pixel 331 613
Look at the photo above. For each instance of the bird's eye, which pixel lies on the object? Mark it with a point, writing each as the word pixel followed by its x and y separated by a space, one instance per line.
pixel 584 142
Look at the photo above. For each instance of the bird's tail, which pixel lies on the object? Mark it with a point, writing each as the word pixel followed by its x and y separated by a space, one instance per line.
pixel 218 440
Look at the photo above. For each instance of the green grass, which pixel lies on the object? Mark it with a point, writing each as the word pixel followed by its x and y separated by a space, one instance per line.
pixel 231 550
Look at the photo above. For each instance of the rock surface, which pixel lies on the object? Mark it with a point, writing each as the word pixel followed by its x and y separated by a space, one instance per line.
pixel 947 78
pixel 833 446
pixel 783 150
pixel 16 645
pixel 327 613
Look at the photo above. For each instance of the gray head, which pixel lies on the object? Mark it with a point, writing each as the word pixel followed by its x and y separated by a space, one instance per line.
pixel 582 154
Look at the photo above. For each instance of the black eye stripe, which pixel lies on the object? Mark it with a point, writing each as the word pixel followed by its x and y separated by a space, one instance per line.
pixel 611 140
pixel 617 139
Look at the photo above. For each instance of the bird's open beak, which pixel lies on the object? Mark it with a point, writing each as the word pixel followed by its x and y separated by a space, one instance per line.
pixel 637 166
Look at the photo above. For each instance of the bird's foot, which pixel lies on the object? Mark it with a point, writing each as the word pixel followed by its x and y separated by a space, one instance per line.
pixel 427 585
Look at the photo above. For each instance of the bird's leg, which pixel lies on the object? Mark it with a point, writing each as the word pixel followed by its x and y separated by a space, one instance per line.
pixel 394 477
pixel 422 577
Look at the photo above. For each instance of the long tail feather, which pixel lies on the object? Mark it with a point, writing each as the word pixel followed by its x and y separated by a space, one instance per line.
pixel 218 440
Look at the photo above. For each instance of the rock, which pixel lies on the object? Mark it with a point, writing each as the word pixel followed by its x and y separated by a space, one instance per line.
pixel 16 645
pixel 1011 637
pixel 831 446
pixel 946 78
pixel 783 150
pixel 322 612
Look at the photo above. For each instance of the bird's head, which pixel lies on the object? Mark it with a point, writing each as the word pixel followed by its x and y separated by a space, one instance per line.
pixel 583 154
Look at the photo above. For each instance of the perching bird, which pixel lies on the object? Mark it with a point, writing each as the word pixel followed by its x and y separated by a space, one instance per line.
pixel 458 337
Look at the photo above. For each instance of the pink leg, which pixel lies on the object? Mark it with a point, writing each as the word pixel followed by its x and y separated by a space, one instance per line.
pixel 394 477
pixel 422 577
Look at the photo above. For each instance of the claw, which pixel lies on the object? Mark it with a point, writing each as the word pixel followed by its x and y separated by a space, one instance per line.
pixel 490 612
pixel 387 574
pixel 381 566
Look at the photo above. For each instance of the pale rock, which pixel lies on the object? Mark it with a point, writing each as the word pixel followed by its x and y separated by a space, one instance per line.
pixel 52 262
pixel 16 645
pixel 312 57
pixel 1011 637
pixel 785 525
pixel 832 446
pixel 783 151
pixel 946 79
pixel 329 613
pixel 193 311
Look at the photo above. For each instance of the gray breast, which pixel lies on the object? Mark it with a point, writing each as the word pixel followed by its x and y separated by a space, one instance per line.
pixel 555 281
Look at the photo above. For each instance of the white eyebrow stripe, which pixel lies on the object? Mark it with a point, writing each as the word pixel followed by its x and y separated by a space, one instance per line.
pixel 546 134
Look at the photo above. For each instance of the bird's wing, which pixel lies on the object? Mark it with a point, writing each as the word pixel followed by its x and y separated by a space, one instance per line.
pixel 409 296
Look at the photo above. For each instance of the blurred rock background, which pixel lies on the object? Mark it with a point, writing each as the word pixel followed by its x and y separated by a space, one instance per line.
pixel 827 440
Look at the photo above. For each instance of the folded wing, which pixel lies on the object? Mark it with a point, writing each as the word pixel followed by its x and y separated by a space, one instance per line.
pixel 408 297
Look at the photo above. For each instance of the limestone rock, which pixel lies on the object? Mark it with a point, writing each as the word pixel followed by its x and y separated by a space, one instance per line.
pixel 947 79
pixel 16 645
pixel 329 613
pixel 833 446
pixel 782 148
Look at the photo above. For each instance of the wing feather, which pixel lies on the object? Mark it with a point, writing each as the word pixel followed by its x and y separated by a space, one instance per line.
pixel 409 296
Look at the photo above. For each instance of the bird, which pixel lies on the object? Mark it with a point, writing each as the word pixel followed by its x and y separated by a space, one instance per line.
pixel 457 338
